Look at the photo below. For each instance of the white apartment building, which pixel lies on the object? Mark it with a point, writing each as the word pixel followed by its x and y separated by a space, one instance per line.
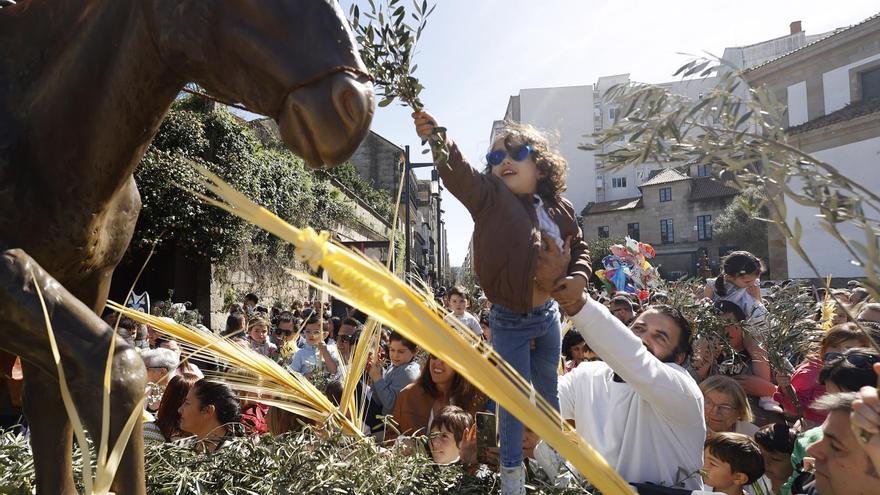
pixel 572 113
pixel 566 115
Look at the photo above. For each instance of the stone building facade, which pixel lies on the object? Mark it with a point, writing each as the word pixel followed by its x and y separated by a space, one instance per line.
pixel 674 214
pixel 832 90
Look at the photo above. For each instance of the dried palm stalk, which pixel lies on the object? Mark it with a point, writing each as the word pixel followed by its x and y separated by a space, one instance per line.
pixel 366 284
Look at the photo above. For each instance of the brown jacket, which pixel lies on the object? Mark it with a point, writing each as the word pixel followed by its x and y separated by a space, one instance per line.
pixel 506 235
pixel 412 410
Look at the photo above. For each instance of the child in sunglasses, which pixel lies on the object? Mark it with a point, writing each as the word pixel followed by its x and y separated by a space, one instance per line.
pixel 518 212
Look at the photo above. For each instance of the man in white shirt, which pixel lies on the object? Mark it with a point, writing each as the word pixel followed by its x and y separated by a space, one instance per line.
pixel 638 406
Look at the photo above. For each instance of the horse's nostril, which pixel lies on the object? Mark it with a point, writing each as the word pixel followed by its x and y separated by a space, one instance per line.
pixel 350 102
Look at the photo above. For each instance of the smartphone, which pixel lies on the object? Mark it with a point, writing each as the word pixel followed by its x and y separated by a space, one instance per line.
pixel 487 434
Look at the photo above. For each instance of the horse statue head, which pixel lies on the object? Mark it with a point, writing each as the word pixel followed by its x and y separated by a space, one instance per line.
pixel 85 85
pixel 308 75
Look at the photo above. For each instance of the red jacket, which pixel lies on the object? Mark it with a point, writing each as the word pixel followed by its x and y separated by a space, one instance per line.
pixel 805 382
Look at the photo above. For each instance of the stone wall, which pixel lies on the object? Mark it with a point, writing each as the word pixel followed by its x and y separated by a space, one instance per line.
pixel 253 273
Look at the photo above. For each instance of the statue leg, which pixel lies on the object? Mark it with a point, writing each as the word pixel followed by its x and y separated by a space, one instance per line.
pixel 83 340
pixel 50 432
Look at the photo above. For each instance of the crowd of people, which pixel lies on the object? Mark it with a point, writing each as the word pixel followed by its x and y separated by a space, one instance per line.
pixel 631 380
pixel 670 409
pixel 667 410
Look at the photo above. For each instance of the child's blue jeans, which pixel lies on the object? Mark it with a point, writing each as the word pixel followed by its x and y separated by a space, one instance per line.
pixel 512 334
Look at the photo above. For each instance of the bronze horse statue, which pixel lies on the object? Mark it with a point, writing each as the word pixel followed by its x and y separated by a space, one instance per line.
pixel 84 86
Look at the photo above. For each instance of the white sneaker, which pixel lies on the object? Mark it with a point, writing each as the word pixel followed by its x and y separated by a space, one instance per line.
pixel 768 404
pixel 553 465
pixel 513 480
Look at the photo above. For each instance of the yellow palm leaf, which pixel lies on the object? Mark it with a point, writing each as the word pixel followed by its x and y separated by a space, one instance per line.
pixel 367 285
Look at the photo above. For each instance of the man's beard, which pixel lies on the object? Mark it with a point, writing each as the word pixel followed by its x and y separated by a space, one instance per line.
pixel 670 358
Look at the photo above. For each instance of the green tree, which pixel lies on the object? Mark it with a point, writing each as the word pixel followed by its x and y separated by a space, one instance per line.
pixel 275 178
pixel 742 224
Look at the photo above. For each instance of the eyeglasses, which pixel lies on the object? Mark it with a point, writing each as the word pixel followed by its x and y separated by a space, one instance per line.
pixel 857 359
pixel 312 332
pixel 346 338
pixel 286 333
pixel 722 409
pixel 517 154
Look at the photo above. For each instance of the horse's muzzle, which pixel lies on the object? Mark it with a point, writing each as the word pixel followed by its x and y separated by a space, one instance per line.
pixel 325 122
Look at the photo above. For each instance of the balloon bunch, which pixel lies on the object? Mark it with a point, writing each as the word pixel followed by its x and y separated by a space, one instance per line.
pixel 627 269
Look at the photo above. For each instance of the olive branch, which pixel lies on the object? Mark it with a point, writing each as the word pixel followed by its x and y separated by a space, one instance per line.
pixel 387 43
pixel 738 132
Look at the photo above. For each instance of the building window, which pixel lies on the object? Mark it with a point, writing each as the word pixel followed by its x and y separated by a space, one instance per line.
pixel 612 113
pixel 604 232
pixel 667 233
pixel 704 170
pixel 870 83
pixel 618 182
pixel 665 194
pixel 704 228
pixel 632 230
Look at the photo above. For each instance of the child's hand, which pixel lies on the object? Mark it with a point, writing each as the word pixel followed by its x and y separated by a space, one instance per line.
pixel 425 124
pixel 468 449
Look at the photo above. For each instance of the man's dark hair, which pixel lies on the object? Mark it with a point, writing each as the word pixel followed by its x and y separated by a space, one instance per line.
pixel 621 302
pixel 776 437
pixel 659 298
pixel 684 340
pixel 571 339
pixel 127 324
pixel 234 323
pixel 851 371
pixel 409 344
pixel 351 322
pixel 728 307
pixel 738 450
pixel 252 297
pixel 836 402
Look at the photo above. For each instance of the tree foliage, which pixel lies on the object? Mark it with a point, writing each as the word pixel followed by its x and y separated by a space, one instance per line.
pixel 740 133
pixel 275 178
pixel 378 199
pixel 742 223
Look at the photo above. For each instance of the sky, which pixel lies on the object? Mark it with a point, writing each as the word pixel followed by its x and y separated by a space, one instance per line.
pixel 475 54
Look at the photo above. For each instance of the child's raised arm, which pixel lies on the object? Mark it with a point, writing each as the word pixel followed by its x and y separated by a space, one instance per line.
pixel 467 184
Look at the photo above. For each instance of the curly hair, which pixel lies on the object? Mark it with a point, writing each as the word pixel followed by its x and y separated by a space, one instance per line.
pixel 551 165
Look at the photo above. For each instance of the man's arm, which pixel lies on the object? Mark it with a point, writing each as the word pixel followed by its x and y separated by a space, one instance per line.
pixel 670 390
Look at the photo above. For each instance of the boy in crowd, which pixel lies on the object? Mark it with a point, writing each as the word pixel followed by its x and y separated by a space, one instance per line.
pixel 447 432
pixel 732 462
pixel 457 302
pixel 404 370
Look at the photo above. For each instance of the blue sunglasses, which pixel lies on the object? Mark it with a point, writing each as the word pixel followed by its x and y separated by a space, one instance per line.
pixel 517 154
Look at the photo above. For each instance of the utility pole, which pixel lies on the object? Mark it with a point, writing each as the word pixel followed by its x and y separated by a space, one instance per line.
pixel 408 166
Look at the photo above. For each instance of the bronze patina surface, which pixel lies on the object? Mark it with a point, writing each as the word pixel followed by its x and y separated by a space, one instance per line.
pixel 84 85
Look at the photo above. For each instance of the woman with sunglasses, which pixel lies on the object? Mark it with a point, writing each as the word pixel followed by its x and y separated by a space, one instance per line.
pixel 518 213
pixel 805 380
